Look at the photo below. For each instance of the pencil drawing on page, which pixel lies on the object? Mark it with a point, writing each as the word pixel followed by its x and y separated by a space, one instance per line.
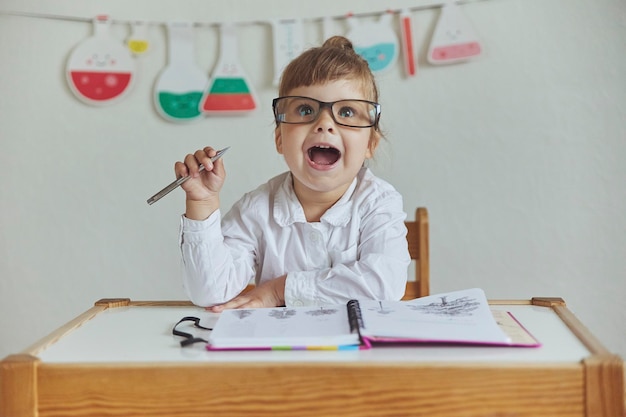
pixel 242 314
pixel 381 309
pixel 282 314
pixel 322 311
pixel 463 306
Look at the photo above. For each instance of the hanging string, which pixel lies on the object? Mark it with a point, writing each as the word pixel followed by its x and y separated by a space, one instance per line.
pixel 431 5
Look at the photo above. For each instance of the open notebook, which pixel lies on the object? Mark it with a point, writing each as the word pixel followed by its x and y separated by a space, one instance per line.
pixel 461 317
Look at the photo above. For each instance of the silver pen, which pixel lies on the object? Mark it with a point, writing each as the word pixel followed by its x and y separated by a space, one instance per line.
pixel 181 180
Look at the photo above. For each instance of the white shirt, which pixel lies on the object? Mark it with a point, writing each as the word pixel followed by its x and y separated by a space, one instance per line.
pixel 358 249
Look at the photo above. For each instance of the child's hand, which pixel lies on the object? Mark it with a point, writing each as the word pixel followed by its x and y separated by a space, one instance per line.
pixel 268 294
pixel 202 189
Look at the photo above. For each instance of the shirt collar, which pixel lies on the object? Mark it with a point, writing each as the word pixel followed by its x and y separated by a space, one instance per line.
pixel 288 210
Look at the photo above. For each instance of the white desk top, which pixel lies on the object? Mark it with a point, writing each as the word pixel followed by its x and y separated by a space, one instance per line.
pixel 144 334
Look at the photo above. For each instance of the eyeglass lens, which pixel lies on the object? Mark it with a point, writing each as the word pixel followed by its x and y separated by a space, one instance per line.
pixel 353 113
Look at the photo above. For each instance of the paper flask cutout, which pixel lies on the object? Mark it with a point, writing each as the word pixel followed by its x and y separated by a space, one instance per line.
pixel 228 91
pixel 100 69
pixel 376 42
pixel 178 90
pixel 454 39
pixel 138 42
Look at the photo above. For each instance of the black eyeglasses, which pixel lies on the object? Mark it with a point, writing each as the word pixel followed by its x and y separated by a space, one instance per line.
pixel 351 113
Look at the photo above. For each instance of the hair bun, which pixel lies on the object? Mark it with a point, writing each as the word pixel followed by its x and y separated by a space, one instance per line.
pixel 339 42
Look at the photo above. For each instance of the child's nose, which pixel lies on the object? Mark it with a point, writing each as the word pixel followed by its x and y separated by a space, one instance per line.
pixel 325 120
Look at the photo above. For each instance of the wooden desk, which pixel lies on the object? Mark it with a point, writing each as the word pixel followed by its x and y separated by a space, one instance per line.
pixel 120 358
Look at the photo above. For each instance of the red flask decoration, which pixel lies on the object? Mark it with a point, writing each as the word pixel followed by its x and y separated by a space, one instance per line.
pixel 100 69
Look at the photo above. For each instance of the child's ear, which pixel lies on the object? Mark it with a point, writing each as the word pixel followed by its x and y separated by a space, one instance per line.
pixel 373 144
pixel 278 139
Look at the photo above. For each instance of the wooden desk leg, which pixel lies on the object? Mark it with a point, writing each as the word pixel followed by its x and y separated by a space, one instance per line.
pixel 604 382
pixel 18 386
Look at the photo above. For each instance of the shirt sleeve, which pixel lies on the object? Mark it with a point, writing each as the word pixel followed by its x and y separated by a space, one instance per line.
pixel 213 271
pixel 379 270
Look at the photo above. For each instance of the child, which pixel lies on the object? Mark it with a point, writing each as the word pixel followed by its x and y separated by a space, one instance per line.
pixel 324 232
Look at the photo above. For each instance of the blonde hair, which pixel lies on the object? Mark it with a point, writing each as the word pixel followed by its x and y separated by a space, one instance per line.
pixel 336 59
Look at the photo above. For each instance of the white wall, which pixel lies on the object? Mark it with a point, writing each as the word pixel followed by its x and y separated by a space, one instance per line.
pixel 519 156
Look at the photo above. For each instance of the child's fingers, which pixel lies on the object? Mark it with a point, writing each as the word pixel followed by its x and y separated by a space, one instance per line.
pixel 192 164
pixel 180 169
pixel 209 151
pixel 203 156
pixel 218 168
pixel 242 301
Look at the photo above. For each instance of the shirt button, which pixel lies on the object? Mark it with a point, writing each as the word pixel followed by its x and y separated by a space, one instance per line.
pixel 314 237
pixel 298 303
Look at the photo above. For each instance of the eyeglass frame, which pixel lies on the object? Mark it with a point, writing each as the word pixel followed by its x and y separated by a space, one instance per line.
pixel 329 105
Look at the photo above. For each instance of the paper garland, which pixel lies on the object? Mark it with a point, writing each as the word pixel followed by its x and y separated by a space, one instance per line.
pixel 100 81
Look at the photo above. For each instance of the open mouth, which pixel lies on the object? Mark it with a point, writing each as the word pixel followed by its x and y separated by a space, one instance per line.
pixel 324 155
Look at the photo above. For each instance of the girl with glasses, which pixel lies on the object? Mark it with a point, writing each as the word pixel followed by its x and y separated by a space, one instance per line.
pixel 325 231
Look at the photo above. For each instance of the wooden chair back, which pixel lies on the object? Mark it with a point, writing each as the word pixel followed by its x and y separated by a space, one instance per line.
pixel 417 237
